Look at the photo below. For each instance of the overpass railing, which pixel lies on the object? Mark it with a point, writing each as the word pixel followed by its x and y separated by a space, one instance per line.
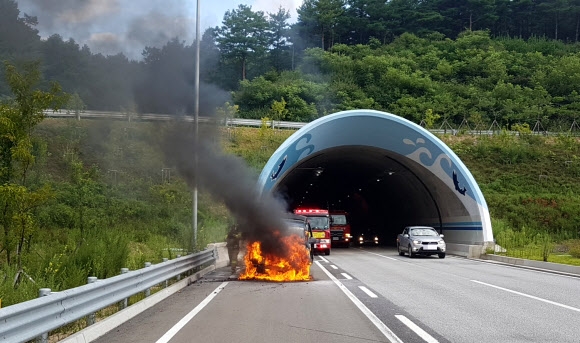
pixel 36 318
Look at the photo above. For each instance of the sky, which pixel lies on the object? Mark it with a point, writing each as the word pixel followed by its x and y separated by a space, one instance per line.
pixel 127 26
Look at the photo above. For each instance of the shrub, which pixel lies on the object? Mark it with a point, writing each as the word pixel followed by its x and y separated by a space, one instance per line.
pixel 573 247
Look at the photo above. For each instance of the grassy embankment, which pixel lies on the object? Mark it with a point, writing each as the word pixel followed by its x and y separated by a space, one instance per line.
pixel 531 184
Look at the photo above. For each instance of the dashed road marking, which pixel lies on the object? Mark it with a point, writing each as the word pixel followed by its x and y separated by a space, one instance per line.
pixel 368 292
pixel 322 258
pixel 333 266
pixel 424 335
pixel 348 277
pixel 387 257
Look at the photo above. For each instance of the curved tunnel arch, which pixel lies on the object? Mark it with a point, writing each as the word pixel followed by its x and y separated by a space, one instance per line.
pixel 386 171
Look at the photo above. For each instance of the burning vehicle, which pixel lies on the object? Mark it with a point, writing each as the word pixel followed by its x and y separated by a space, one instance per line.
pixel 292 260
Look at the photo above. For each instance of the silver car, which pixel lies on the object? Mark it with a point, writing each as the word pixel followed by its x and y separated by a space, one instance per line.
pixel 421 240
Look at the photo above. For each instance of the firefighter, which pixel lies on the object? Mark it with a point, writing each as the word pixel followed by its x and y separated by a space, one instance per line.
pixel 233 244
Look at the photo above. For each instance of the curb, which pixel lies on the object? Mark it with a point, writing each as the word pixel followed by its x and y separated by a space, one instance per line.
pixel 549 267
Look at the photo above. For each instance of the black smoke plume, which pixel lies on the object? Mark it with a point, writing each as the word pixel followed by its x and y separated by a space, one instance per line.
pixel 227 178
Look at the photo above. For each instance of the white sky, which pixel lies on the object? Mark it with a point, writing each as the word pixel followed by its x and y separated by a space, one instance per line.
pixel 112 26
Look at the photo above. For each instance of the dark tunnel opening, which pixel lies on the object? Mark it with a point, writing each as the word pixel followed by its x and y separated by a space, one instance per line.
pixel 382 191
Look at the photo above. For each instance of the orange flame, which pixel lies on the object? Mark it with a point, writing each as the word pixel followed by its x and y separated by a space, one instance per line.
pixel 294 267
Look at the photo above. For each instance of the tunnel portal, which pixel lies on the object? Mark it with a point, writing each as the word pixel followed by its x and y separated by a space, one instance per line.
pixel 385 171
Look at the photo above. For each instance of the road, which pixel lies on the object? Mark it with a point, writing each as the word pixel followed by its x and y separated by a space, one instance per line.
pixel 371 295
pixel 107 115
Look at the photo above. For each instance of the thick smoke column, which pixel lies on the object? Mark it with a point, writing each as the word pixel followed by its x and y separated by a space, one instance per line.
pixel 228 179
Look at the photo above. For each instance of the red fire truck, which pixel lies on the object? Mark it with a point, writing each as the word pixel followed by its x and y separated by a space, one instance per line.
pixel 320 223
pixel 340 228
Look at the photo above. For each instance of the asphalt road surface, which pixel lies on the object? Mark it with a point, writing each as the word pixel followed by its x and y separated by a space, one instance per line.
pixel 370 295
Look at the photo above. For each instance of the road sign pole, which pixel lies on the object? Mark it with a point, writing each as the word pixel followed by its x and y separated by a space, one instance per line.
pixel 195 123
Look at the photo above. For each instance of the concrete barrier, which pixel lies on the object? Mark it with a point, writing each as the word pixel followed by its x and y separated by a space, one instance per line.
pixel 222 254
pixel 465 250
pixel 223 259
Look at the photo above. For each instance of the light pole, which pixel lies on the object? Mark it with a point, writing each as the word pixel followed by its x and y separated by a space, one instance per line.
pixel 195 123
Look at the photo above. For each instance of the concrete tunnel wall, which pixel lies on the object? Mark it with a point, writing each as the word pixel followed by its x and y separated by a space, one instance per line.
pixel 462 213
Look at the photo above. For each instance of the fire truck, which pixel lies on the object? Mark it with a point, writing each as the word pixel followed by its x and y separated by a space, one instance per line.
pixel 320 223
pixel 340 228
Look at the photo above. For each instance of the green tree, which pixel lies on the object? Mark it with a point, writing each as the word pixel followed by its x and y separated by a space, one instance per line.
pixel 256 97
pixel 243 36
pixel 18 118
pixel 19 38
pixel 430 118
pixel 227 112
pixel 279 39
pixel 76 105
pixel 320 18
pixel 20 115
pixel 279 110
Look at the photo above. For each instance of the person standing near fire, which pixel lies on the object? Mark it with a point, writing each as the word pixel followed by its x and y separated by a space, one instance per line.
pixel 233 244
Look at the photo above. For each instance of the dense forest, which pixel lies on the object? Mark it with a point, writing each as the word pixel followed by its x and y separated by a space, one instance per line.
pixel 473 62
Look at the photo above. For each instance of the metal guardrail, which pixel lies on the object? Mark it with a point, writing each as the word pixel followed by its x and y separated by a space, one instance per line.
pixel 168 117
pixel 35 318
pixel 250 122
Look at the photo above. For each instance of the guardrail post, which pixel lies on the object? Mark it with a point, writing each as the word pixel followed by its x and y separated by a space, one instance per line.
pixel 148 290
pixel 91 318
pixel 123 303
pixel 42 293
pixel 179 275
pixel 166 281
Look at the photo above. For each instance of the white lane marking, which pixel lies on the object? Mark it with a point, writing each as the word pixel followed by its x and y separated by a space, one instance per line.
pixel 390 335
pixel 348 277
pixel 390 258
pixel 528 296
pixel 537 270
pixel 368 292
pixel 175 329
pixel 426 337
pixel 333 266
pixel 322 258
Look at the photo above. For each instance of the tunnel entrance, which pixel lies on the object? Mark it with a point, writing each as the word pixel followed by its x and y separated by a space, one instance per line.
pixel 385 171
pixel 381 191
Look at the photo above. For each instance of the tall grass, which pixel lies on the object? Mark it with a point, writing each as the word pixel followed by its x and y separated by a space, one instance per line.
pixel 532 244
